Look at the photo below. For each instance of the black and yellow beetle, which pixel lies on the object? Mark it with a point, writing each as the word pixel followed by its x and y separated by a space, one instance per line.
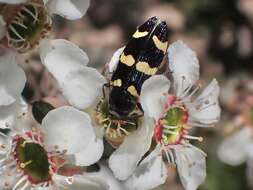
pixel 139 60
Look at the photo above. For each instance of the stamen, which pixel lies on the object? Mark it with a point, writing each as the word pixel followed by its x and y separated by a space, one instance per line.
pixel 169 127
pixel 20 181
pixel 124 130
pixel 15 40
pixel 182 84
pixel 172 157
pixel 16 33
pixel 200 139
pixel 170 132
pixel 181 88
pixel 103 120
pixel 29 12
pixel 108 127
pixel 23 144
pixel 192 93
pixel 20 15
pixel 34 129
pixel 23 165
pixel 25 186
pixel 19 23
pixel 166 153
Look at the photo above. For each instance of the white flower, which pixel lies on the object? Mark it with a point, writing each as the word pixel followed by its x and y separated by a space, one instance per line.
pixel 13 1
pixel 237 149
pixel 13 108
pixel 32 21
pixel 82 86
pixel 28 157
pixel 174 114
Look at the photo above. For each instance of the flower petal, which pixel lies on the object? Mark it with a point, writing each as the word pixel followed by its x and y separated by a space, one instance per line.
pixel 152 95
pixel 191 166
pixel 184 65
pixel 131 151
pixel 12 116
pixel 83 88
pixel 233 150
pixel 106 174
pixel 45 1
pixel 115 59
pixel 205 108
pixel 91 154
pixel 2 27
pixel 67 128
pixel 5 145
pixel 12 1
pixel 149 174
pixel 10 87
pixel 80 182
pixel 61 57
pixel 69 9
pixel 7 180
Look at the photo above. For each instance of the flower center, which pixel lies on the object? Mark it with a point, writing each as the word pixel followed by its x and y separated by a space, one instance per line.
pixel 171 128
pixel 27 24
pixel 116 129
pixel 33 160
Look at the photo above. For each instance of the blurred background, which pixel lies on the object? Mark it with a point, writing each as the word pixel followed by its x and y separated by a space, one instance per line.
pixel 221 33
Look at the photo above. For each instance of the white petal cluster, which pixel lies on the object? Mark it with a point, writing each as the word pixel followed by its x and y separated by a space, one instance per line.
pixel 82 87
pixel 64 131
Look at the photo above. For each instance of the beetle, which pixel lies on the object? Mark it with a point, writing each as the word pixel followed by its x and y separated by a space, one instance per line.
pixel 139 60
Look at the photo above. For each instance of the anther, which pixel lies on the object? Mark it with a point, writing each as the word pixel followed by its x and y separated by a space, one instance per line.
pixel 34 129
